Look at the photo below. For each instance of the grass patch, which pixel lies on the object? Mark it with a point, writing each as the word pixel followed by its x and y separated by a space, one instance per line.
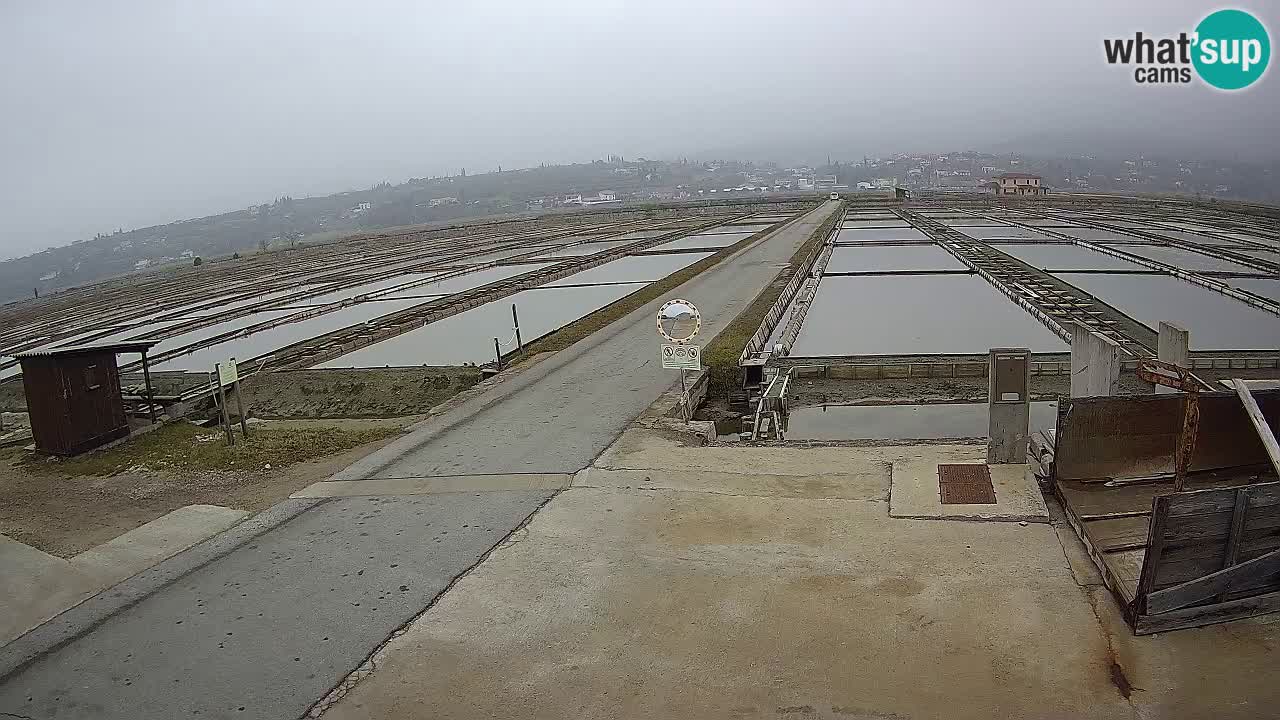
pixel 579 329
pixel 721 355
pixel 184 447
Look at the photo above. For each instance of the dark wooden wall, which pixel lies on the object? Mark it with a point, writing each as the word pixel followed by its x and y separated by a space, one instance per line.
pixel 1135 435
pixel 68 416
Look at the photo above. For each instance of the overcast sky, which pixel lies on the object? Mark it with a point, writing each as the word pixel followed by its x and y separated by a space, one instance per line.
pixel 127 114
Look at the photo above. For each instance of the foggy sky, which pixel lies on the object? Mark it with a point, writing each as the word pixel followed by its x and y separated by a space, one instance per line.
pixel 126 114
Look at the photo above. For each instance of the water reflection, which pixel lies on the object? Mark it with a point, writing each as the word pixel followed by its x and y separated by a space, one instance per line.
pixel 903 422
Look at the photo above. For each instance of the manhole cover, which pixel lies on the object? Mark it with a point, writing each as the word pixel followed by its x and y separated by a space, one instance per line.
pixel 966 485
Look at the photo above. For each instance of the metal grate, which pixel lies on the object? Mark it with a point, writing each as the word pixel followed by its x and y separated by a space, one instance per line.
pixel 966 485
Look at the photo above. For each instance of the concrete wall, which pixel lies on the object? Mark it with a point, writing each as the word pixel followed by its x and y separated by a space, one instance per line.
pixel 1095 364
pixel 1174 346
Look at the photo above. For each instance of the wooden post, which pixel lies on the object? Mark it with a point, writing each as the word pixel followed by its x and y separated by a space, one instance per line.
pixel 146 378
pixel 1259 422
pixel 516 319
pixel 1232 554
pixel 222 402
pixel 497 353
pixel 244 425
pixel 1155 548
pixel 1186 447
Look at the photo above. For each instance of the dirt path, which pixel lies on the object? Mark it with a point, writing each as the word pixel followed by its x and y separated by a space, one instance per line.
pixel 64 508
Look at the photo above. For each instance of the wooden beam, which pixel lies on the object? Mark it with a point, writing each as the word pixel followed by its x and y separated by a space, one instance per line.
pixel 1202 588
pixel 1207 614
pixel 1237 528
pixel 1259 422
pixel 1155 547
pixel 1236 535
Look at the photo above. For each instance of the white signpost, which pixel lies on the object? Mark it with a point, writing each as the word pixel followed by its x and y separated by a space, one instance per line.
pixel 681 357
pixel 228 373
pixel 679 322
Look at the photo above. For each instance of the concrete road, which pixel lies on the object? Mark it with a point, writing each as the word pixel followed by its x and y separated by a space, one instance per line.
pixel 267 628
pixel 561 414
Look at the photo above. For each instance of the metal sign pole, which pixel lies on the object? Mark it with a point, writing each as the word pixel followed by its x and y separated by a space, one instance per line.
pixel 679 322
pixel 222 402
pixel 516 320
pixel 146 378
pixel 684 398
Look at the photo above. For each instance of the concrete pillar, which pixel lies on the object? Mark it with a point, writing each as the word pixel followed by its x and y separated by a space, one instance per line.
pixel 1009 405
pixel 1174 346
pixel 1095 364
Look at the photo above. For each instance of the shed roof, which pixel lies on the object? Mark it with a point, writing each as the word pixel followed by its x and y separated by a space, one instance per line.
pixel 1018 176
pixel 135 346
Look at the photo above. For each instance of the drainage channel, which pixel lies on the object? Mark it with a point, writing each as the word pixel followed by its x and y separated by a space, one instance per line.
pixel 1054 303
pixel 1260 302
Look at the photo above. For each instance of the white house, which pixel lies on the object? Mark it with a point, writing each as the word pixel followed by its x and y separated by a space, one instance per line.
pixel 1018 184
pixel 604 196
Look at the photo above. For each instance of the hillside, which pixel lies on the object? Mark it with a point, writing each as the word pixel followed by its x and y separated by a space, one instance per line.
pixel 289 220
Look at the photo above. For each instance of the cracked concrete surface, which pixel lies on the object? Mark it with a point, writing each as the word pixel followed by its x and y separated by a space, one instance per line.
pixel 694 582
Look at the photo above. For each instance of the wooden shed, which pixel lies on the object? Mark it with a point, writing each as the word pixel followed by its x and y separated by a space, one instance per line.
pixel 73 395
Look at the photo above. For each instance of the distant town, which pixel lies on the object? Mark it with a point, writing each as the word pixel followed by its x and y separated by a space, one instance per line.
pixel 286 221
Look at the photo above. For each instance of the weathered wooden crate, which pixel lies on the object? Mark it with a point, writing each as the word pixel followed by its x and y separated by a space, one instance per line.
pixel 1212 555
pixel 1173 559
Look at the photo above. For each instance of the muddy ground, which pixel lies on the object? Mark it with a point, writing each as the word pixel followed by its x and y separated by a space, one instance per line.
pixel 64 507
pixel 357 393
pixel 336 393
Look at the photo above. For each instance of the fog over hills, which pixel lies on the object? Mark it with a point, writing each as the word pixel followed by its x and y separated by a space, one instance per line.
pixel 128 115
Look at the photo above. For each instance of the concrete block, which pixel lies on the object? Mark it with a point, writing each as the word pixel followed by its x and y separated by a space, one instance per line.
pixel 1095 364
pixel 37 586
pixel 914 493
pixel 1173 346
pixel 164 537
pixel 913 488
pixel 436 485
pixel 859 483
pixel 1018 498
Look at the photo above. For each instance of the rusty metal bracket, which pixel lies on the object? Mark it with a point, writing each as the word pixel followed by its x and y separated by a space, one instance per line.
pixel 1167 374
pixel 1186 440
